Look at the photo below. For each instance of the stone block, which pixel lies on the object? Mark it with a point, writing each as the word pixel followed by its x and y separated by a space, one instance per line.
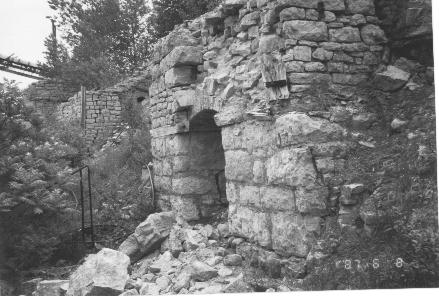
pixel 312 200
pixel 239 166
pixel 51 288
pixel 182 56
pixel 292 13
pixel 185 207
pixel 305 30
pixel 192 185
pixel 302 53
pixel 277 199
pixel 180 76
pixel 322 54
pixel 308 78
pixel 292 167
pixel 366 7
pixel 249 196
pixel 295 66
pixel 391 79
pixel 346 34
pixel 298 128
pixel 293 234
pixel 351 194
pixel 270 43
pixel 249 20
pixel 314 67
pixel 373 35
pixel 259 175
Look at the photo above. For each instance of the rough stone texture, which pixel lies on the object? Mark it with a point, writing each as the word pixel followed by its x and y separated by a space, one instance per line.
pixel 391 79
pixel 51 288
pixel 306 30
pixel 104 273
pixel 148 235
pixel 228 136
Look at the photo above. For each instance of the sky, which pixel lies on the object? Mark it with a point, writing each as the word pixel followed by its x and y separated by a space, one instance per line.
pixel 23 28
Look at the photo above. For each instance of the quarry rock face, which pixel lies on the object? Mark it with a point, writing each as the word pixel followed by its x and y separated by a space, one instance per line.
pixel 230 123
pixel 104 273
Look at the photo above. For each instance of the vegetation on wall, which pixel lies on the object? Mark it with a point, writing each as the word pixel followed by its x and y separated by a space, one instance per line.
pixel 104 40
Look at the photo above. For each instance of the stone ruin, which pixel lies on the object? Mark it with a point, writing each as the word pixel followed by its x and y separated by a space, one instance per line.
pixel 232 125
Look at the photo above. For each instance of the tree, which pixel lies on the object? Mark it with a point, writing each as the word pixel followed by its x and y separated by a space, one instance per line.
pixel 106 39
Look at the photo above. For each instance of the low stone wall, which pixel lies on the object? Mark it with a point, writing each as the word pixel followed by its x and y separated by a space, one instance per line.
pixel 46 95
pixel 247 69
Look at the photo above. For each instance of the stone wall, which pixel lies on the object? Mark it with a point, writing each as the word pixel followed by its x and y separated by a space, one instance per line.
pixel 105 109
pixel 46 95
pixel 102 115
pixel 246 69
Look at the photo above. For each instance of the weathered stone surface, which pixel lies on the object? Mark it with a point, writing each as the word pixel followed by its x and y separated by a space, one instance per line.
pixel 292 13
pixel 349 79
pixel 366 7
pixel 270 43
pixel 239 166
pixel 293 233
pixel 104 273
pixel 180 76
pixel 277 199
pixel 306 30
pixel 391 79
pixel 237 285
pixel 192 184
pixel 346 34
pixel 308 78
pixel 233 260
pixel 322 54
pixel 372 35
pixel 202 272
pixel 182 56
pixel 51 288
pixel 292 167
pixel 312 200
pixel 334 5
pixel 302 53
pixel 351 194
pixel 297 128
pixel 148 235
pixel 249 20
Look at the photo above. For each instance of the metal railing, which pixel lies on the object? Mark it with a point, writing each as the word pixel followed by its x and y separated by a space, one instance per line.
pixel 80 171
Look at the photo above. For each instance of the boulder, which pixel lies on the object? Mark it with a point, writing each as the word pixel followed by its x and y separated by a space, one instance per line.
pixel 182 56
pixel 391 79
pixel 104 273
pixel 237 285
pixel 51 288
pixel 397 124
pixel 148 235
pixel 233 260
pixel 149 289
pixel 201 271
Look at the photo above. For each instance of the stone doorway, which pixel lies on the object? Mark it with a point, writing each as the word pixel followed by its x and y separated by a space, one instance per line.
pixel 204 170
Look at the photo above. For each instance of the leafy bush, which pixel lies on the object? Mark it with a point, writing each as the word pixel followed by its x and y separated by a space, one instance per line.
pixel 36 186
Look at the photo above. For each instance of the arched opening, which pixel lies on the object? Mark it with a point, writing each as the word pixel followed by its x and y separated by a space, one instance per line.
pixel 207 161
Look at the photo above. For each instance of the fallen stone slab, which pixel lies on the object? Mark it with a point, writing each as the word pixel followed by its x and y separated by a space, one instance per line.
pixel 51 288
pixel 202 272
pixel 148 236
pixel 391 79
pixel 104 273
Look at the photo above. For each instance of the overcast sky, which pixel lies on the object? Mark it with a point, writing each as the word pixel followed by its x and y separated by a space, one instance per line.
pixel 23 28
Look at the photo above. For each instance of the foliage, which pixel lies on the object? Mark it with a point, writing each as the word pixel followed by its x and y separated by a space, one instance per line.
pixel 35 182
pixel 168 13
pixel 123 197
pixel 106 38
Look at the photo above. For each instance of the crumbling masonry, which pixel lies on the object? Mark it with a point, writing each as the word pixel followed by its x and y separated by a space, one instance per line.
pixel 231 124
